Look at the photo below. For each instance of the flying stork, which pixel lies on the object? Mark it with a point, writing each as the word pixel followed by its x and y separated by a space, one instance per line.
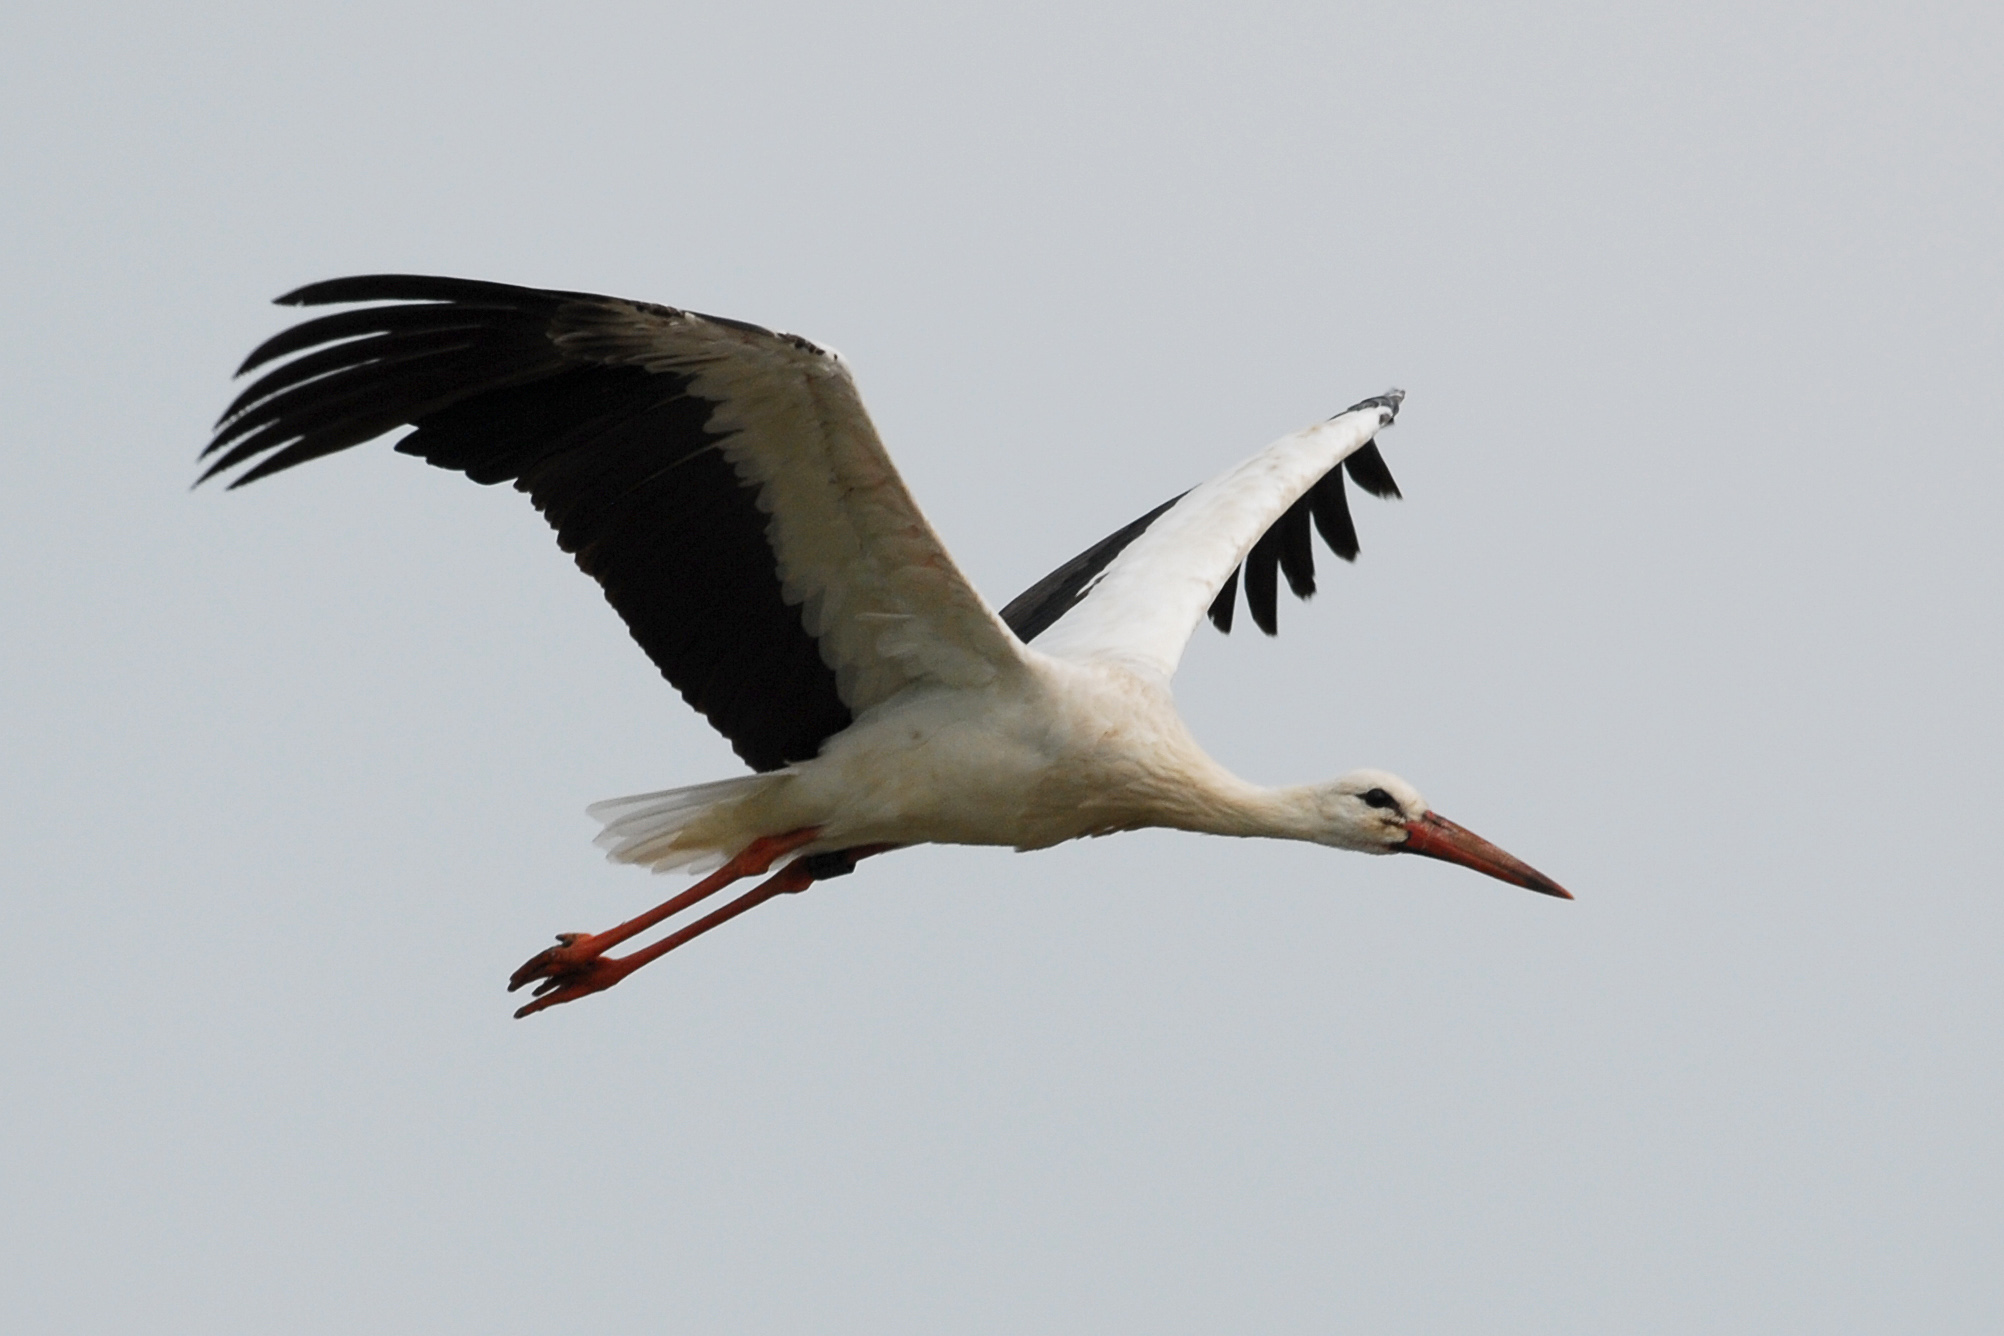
pixel 724 485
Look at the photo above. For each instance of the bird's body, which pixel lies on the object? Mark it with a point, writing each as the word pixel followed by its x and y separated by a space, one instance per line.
pixel 726 488
pixel 1050 751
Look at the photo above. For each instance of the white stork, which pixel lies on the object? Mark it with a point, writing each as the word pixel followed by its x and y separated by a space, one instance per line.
pixel 725 487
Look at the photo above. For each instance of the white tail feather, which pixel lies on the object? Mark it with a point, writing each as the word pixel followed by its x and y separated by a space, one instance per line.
pixel 647 828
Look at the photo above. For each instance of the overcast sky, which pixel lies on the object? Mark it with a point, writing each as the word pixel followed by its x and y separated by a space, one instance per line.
pixel 1693 602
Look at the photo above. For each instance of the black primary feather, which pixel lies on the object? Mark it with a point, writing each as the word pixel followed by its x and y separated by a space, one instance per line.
pixel 617 458
pixel 1032 612
pixel 1297 551
pixel 1331 509
pixel 1366 468
pixel 1262 567
pixel 1225 603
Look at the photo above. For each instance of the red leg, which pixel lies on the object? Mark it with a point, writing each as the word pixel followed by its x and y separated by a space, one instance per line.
pixel 578 951
pixel 601 973
pixel 579 967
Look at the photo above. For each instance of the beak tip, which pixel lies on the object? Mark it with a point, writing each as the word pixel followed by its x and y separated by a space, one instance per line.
pixel 1434 836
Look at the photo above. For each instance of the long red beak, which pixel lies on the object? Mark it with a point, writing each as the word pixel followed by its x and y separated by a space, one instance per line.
pixel 1434 836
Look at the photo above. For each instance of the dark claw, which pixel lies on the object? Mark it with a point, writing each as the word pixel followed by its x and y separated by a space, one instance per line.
pixel 593 976
pixel 555 962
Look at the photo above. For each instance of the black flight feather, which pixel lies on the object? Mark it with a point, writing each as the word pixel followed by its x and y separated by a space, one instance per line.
pixel 1032 612
pixel 618 459
pixel 1226 603
pixel 1262 583
pixel 1331 508
pixel 1297 550
pixel 1367 469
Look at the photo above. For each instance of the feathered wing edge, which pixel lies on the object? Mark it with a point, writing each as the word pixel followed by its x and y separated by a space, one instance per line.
pixel 1169 569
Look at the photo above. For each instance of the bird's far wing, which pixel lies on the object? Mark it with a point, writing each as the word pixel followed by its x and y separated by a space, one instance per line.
pixel 1135 597
pixel 721 482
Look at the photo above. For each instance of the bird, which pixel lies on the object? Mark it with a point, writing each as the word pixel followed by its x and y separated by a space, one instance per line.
pixel 723 484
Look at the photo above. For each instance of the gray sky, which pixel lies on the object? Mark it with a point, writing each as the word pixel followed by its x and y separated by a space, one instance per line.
pixel 1693 603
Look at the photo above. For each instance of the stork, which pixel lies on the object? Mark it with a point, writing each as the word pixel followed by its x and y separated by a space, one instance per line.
pixel 725 487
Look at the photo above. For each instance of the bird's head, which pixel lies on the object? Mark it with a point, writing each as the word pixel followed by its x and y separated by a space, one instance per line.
pixel 1379 813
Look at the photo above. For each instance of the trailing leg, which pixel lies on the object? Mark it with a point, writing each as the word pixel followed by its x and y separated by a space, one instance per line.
pixel 576 955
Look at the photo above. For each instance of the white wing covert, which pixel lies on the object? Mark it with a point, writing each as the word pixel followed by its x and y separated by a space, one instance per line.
pixel 1136 598
pixel 876 586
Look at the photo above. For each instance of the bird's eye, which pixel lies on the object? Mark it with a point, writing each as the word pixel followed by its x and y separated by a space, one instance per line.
pixel 1379 798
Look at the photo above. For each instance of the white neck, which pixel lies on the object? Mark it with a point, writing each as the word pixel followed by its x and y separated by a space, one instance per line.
pixel 1220 803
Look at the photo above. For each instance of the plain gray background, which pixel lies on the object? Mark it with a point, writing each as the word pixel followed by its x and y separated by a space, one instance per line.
pixel 1693 603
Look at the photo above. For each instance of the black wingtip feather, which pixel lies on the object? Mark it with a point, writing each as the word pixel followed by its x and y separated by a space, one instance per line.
pixel 1330 505
pixel 1225 603
pixel 1263 583
pixel 1367 468
pixel 425 288
pixel 400 321
pixel 1037 608
pixel 1297 550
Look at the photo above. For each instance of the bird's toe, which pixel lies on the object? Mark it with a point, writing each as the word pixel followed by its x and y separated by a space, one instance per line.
pixel 592 976
pixel 573 951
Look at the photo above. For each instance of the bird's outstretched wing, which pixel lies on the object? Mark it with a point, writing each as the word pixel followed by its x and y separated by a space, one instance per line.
pixel 1135 596
pixel 721 482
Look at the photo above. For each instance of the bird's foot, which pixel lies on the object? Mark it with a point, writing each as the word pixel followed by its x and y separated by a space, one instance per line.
pixel 572 952
pixel 575 967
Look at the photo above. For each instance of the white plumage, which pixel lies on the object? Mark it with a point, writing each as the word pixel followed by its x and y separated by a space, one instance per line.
pixel 726 488
pixel 1142 611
